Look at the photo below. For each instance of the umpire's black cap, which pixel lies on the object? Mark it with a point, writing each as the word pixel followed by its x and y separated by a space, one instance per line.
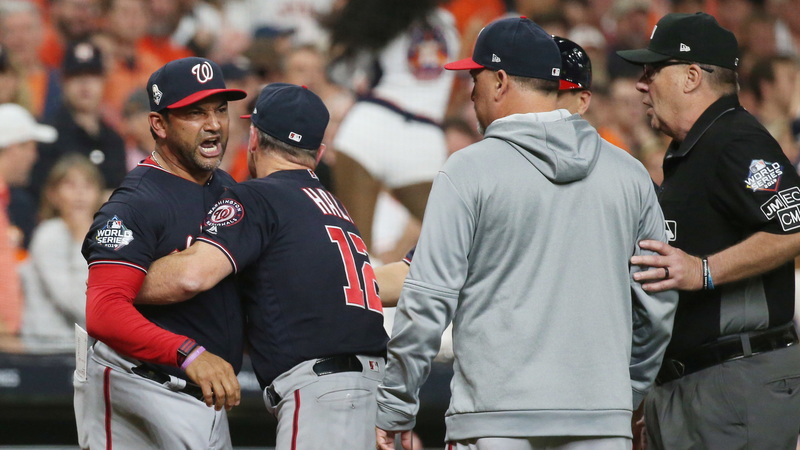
pixel 185 81
pixel 576 67
pixel 518 46
pixel 291 114
pixel 688 37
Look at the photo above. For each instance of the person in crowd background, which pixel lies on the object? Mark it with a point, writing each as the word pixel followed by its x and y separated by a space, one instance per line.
pixel 135 129
pixel 70 21
pixel 54 277
pixel 392 136
pixel 775 83
pixel 80 124
pixel 21 36
pixel 19 134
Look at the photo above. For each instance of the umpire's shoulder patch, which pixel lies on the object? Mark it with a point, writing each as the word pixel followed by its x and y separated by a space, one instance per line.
pixel 114 234
pixel 224 213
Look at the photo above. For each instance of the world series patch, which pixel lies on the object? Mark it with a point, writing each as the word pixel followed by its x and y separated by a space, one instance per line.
pixel 764 176
pixel 224 213
pixel 114 235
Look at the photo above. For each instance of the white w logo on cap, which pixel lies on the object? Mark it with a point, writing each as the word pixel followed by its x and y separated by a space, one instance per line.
pixel 203 72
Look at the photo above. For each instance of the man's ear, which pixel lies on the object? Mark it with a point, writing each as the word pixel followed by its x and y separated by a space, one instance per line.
pixel 694 76
pixel 158 124
pixel 585 100
pixel 320 152
pixel 252 142
pixel 502 83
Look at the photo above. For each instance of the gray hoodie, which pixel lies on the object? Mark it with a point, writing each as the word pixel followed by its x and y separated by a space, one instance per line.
pixel 525 247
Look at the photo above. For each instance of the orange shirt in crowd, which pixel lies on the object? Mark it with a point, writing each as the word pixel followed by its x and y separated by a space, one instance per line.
pixel 165 50
pixel 11 298
pixel 124 78
pixel 613 137
pixel 52 50
pixel 239 170
pixel 484 10
pixel 36 84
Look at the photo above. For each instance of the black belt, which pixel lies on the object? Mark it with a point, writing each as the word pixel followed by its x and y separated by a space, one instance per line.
pixel 726 349
pixel 326 366
pixel 162 378
pixel 337 364
pixel 392 107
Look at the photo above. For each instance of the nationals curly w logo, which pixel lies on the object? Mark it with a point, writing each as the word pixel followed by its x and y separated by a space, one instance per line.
pixel 203 72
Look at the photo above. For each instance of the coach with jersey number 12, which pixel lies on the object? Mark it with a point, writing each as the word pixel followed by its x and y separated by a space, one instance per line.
pixel 731 201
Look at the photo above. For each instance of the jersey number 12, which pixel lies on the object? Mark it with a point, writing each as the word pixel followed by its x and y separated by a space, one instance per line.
pixel 353 294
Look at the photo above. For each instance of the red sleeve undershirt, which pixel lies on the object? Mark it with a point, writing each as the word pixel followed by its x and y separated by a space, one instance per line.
pixel 112 318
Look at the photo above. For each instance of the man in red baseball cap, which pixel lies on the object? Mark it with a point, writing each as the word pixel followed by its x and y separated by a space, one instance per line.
pixel 155 372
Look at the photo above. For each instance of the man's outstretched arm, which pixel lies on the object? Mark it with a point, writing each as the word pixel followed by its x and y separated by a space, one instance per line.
pixel 180 276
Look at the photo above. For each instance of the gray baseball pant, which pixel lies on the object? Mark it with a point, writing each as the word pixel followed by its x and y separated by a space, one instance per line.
pixel 751 403
pixel 331 412
pixel 122 410
pixel 544 443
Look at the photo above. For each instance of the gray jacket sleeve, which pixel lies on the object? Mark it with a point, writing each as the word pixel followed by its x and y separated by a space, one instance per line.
pixel 653 313
pixel 427 303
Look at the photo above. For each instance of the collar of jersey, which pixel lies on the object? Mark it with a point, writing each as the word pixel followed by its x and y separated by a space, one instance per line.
pixel 724 105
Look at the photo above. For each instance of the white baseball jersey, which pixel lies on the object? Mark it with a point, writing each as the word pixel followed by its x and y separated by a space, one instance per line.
pixel 412 65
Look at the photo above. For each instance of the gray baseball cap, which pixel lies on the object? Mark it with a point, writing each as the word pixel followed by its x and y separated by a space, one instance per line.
pixel 18 125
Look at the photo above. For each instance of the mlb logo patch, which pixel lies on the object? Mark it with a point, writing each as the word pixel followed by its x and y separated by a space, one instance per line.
pixel 295 137
pixel 672 230
pixel 556 71
pixel 373 366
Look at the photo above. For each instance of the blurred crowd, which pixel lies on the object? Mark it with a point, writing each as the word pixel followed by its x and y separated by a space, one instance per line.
pixel 80 67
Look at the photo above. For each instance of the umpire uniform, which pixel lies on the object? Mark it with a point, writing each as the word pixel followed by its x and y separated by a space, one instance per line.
pixel 733 357
pixel 315 321
pixel 731 373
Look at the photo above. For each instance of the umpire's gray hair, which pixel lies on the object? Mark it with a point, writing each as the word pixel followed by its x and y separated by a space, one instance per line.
pixel 723 80
pixel 267 142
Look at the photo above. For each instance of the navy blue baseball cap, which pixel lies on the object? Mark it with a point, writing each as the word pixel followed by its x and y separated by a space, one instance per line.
pixel 185 81
pixel 82 58
pixel 519 46
pixel 291 114
pixel 576 67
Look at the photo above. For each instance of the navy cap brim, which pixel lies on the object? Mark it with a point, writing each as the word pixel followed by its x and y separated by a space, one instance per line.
pixel 231 94
pixel 642 56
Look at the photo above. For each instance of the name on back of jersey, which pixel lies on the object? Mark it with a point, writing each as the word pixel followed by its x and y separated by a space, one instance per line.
pixel 327 203
pixel 114 234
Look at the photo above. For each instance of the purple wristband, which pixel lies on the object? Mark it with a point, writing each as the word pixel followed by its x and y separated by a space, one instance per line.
pixel 192 357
